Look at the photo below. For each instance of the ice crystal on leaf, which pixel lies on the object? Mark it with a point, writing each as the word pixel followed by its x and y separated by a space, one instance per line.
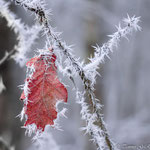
pixel 42 91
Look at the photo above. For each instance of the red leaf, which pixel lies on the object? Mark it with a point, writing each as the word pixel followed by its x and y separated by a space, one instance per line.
pixel 45 90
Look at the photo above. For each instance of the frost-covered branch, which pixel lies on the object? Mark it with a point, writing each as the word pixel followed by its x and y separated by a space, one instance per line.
pixel 95 125
pixel 38 7
pixel 104 51
pixel 26 36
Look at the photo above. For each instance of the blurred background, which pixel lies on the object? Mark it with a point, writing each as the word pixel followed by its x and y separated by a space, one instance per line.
pixel 123 88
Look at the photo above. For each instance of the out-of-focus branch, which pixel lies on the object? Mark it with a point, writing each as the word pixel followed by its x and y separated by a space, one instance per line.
pixel 26 36
pixel 4 145
pixel 7 56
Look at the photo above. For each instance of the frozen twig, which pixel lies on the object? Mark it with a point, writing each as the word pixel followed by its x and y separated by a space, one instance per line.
pixel 102 52
pixel 95 124
pixel 52 37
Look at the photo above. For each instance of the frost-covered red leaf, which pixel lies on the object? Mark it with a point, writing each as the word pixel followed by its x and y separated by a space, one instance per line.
pixel 44 91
